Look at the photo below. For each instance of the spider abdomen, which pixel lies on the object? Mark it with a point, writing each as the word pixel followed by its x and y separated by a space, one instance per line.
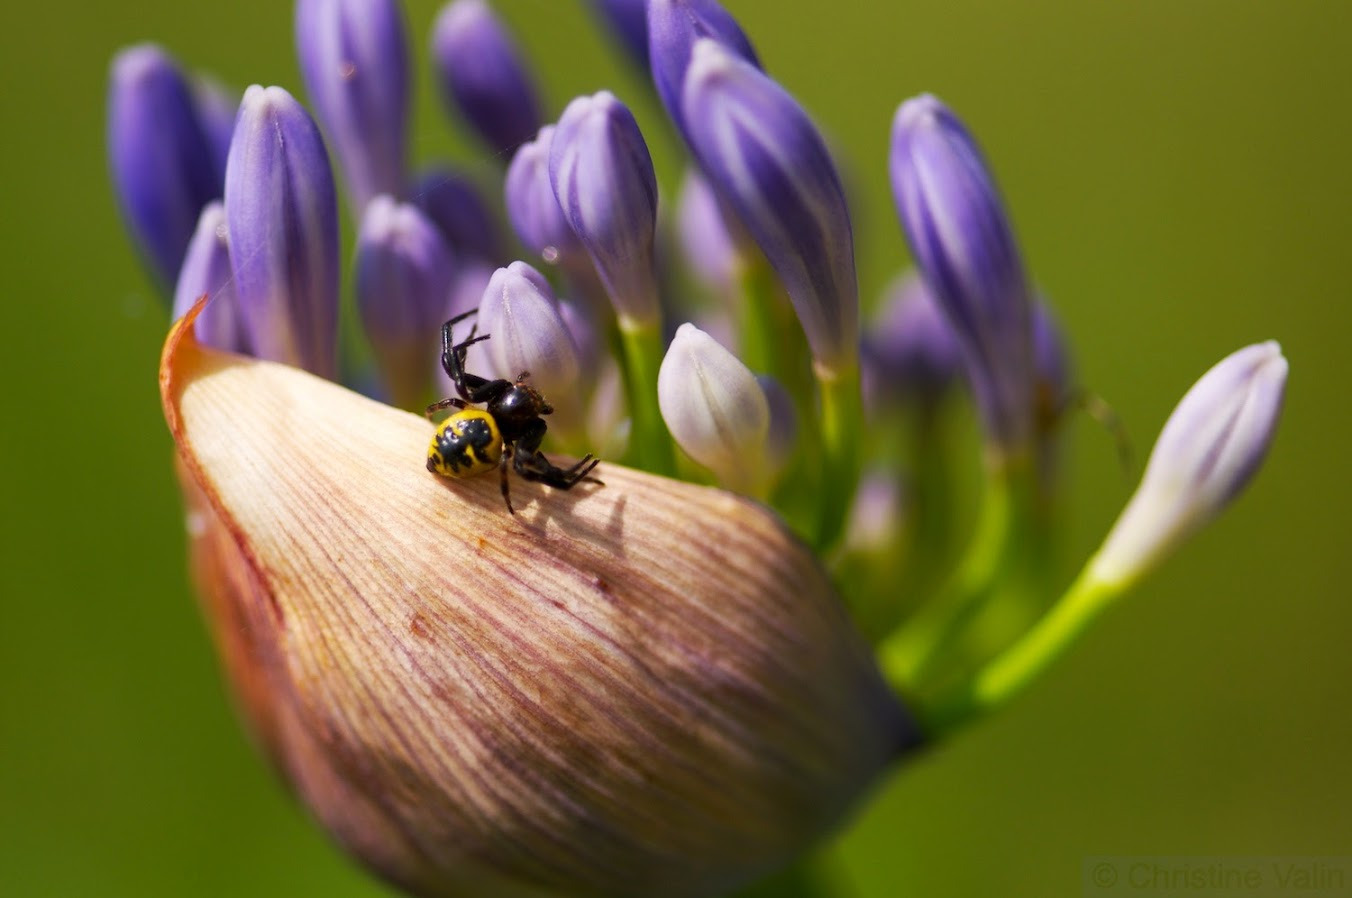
pixel 466 443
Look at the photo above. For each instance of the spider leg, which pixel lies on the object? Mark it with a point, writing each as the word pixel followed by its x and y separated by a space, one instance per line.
pixel 445 403
pixel 532 464
pixel 502 475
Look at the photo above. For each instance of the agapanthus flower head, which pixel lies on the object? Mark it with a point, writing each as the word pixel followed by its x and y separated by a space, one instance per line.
pixel 165 166
pixel 644 713
pixel 964 246
pixel 282 217
pixel 206 272
pixel 766 159
pixel 483 76
pixel 604 182
pixel 1210 448
pixel 354 56
pixel 403 277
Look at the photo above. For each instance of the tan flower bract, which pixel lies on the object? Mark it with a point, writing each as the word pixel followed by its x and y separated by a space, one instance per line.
pixel 642 688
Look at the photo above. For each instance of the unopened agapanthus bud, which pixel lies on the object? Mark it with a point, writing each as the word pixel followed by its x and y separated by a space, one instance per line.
pixel 767 161
pixel 354 57
pixel 645 686
pixel 455 205
pixel 532 208
pixel 283 223
pixel 709 250
pixel 528 334
pixel 483 76
pixel 206 272
pixel 603 179
pixel 1211 446
pixel 163 166
pixel 715 409
pixel 965 249
pixel 673 28
pixel 628 22
pixel 910 350
pixel 217 106
pixel 403 283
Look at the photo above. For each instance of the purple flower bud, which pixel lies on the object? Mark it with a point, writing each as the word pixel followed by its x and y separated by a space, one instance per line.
pixel 217 107
pixel 911 352
pixel 483 76
pixel 532 208
pixel 715 409
pixel 765 158
pixel 628 22
pixel 163 168
pixel 1208 451
pixel 529 334
pixel 673 28
pixel 403 274
pixel 709 249
pixel 1051 359
pixel 283 223
pixel 354 57
pixel 963 244
pixel 604 182
pixel 206 272
pixel 453 202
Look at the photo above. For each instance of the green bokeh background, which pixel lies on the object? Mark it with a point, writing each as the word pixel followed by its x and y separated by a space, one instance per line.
pixel 1178 172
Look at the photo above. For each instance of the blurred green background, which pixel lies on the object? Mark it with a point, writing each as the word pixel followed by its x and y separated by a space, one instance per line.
pixel 1178 173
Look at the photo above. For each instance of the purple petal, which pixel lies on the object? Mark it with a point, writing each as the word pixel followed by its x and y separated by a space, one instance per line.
pixel 673 28
pixel 283 224
pixel 604 182
pixel 457 207
pixel 206 272
pixel 483 76
pixel 963 244
pixel 161 158
pixel 765 158
pixel 354 57
pixel 911 350
pixel 532 207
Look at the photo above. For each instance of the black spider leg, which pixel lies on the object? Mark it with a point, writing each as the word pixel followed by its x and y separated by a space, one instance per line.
pixel 502 475
pixel 471 387
pixel 531 463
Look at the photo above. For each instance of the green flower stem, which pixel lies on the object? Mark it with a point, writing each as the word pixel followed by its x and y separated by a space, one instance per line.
pixel 1004 562
pixel 649 443
pixel 1013 669
pixel 841 423
pixel 770 338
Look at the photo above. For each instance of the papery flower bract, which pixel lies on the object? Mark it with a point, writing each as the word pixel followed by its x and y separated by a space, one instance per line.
pixel 628 22
pixel 604 182
pixel 708 248
pixel 715 408
pixel 453 202
pixel 483 75
pixel 354 57
pixel 1211 446
pixel 206 272
pixel 965 248
pixel 532 207
pixel 283 223
pixel 674 26
pixel 765 158
pixel 662 695
pixel 403 283
pixel 164 168
pixel 910 350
